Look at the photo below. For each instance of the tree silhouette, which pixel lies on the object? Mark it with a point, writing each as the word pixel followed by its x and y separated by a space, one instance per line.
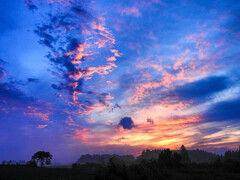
pixel 176 159
pixel 169 158
pixel 165 157
pixel 184 154
pixel 42 157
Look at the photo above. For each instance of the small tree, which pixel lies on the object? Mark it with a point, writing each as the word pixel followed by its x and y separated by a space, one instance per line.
pixel 184 154
pixel 43 157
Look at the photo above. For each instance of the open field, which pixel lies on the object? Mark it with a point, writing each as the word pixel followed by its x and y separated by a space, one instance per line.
pixel 148 172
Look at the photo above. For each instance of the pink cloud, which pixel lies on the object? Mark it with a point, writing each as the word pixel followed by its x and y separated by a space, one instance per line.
pixel 134 11
pixel 42 126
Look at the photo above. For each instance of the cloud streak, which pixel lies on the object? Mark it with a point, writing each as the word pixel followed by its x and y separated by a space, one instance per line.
pixel 72 56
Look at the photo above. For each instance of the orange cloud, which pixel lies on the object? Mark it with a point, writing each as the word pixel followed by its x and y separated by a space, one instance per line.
pixel 167 133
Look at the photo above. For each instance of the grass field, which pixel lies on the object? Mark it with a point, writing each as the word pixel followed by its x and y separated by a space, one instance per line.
pixel 91 172
pixel 25 173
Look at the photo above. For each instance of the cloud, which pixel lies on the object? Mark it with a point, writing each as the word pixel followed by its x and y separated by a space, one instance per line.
pixel 223 111
pixel 82 12
pixel 126 123
pixel 2 71
pixel 116 106
pixel 74 37
pixel 11 95
pixel 150 120
pixel 191 93
pixel 33 80
pixel 42 126
pixel 201 89
pixel 30 5
pixel 134 10
pixel 13 99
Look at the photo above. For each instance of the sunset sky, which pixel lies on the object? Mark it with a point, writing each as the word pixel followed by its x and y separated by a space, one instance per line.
pixel 118 76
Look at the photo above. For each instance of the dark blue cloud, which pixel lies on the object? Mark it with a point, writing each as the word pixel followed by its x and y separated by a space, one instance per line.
pixel 116 106
pixel 80 11
pixel 14 82
pixel 12 97
pixel 126 123
pixel 196 92
pixel 223 111
pixel 44 33
pixel 200 90
pixel 31 6
pixel 33 80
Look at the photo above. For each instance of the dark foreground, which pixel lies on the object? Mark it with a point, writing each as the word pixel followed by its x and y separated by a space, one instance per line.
pixel 146 171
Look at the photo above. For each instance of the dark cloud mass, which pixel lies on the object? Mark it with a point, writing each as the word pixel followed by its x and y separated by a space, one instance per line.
pixel 126 123
pixel 202 89
pixel 33 80
pixel 14 100
pixel 223 111
pixel 195 92
pixel 11 95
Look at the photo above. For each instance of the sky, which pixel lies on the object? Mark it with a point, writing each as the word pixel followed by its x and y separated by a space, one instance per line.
pixel 109 76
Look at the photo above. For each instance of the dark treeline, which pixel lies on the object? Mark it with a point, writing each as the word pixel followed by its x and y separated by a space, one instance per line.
pixel 165 164
pixel 150 165
pixel 104 159
pixel 182 155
